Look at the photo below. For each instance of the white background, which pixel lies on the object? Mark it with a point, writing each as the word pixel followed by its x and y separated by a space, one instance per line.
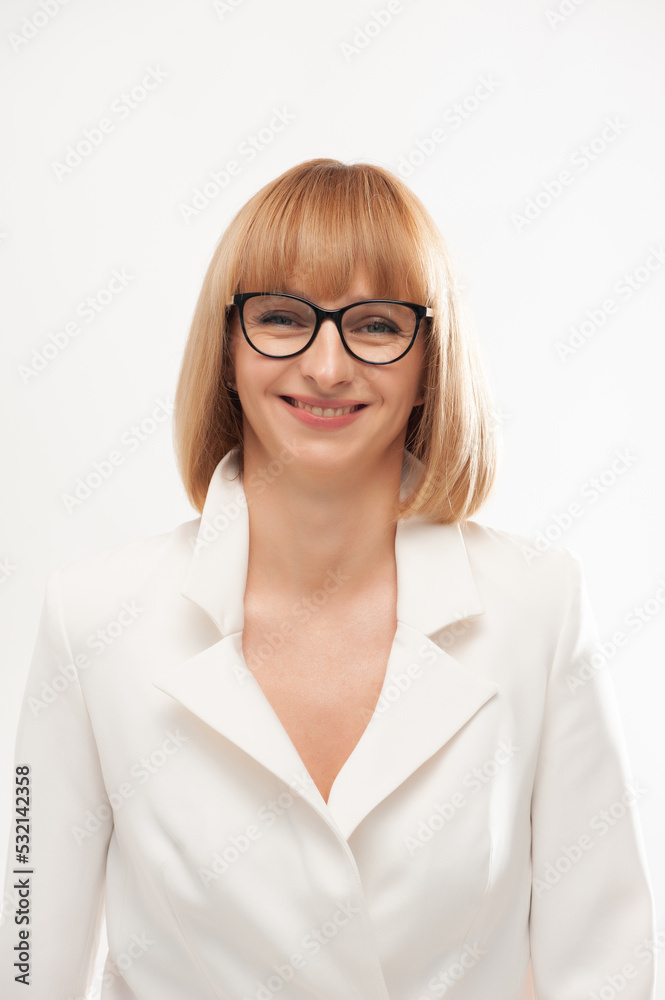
pixel 219 71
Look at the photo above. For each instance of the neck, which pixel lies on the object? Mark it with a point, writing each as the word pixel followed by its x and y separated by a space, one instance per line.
pixel 310 526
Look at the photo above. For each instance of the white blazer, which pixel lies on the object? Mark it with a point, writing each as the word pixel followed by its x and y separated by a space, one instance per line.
pixel 486 816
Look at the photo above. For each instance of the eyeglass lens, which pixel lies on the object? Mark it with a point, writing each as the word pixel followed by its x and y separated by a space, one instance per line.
pixel 375 331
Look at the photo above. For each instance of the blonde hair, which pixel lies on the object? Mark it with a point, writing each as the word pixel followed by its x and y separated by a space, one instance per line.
pixel 320 219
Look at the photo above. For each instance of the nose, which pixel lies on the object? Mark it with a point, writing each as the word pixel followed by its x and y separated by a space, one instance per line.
pixel 327 361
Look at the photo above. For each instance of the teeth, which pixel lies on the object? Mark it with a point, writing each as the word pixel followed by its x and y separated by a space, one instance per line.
pixel 319 412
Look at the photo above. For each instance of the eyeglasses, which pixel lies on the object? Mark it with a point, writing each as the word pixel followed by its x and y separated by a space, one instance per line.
pixel 375 331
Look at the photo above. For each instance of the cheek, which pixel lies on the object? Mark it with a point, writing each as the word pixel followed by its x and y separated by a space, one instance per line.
pixel 397 388
pixel 243 357
pixel 256 376
pixel 402 384
pixel 418 371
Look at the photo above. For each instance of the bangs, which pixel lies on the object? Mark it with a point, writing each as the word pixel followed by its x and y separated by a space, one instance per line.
pixel 320 228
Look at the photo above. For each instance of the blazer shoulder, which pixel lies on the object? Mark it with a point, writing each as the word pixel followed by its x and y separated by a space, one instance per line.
pixel 485 536
pixel 510 560
pixel 93 586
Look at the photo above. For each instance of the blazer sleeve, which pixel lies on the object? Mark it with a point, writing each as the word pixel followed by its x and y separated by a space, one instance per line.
pixel 54 880
pixel 592 919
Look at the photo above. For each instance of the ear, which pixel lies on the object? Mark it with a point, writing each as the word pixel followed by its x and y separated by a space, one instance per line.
pixel 230 375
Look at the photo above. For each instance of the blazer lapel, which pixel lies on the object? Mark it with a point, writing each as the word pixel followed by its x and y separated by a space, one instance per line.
pixel 427 695
pixel 216 686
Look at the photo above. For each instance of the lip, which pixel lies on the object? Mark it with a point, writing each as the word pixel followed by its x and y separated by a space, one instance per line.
pixel 323 423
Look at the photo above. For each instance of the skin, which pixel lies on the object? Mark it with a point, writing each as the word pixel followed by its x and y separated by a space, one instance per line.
pixel 327 508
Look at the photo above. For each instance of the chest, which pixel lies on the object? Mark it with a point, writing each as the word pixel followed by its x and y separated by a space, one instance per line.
pixel 323 681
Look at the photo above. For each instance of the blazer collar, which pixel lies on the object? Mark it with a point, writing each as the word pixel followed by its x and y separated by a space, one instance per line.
pixel 435 588
pixel 411 722
pixel 435 585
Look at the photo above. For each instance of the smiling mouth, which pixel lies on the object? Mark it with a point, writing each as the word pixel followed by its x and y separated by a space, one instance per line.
pixel 320 411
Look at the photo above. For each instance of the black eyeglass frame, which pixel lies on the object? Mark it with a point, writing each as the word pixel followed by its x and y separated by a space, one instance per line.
pixel 420 312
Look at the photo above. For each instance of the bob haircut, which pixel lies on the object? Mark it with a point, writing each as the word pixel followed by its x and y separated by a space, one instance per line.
pixel 321 219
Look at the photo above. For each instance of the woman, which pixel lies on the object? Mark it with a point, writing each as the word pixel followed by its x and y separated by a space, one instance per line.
pixel 334 738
